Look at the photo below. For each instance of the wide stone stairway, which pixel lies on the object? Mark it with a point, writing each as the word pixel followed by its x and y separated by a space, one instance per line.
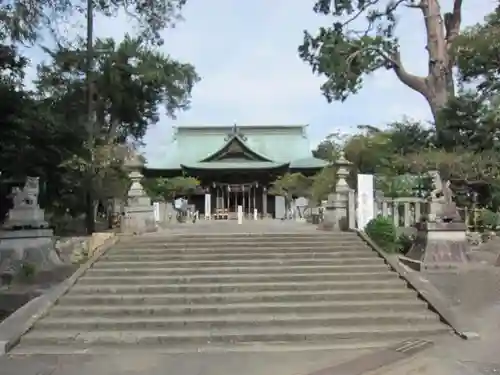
pixel 234 292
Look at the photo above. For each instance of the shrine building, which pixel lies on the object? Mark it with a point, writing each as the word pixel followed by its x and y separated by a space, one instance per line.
pixel 236 164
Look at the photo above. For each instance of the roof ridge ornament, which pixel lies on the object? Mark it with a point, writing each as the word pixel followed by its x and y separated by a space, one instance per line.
pixel 235 132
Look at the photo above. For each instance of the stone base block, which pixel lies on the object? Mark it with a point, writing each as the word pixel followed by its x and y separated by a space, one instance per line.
pixel 440 245
pixel 26 217
pixel 35 247
pixel 140 221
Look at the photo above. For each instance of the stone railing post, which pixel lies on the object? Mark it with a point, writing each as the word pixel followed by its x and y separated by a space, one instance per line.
pixel 407 214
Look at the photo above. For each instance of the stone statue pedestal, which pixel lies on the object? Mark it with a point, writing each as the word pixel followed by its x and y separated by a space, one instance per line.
pixel 439 245
pixel 25 217
pixel 34 246
pixel 25 237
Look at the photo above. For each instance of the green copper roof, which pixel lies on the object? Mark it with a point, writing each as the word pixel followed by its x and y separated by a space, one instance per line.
pixel 239 142
pixel 244 164
pixel 277 145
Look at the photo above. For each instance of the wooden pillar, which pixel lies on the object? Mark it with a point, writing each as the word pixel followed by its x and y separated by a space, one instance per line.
pixel 243 199
pixel 264 202
pixel 254 206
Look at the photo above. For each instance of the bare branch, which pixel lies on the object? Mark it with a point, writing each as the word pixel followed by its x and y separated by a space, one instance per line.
pixel 411 80
pixel 394 61
pixel 360 11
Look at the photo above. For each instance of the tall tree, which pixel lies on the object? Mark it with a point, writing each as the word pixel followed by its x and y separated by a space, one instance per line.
pixel 132 81
pixel 25 20
pixel 345 55
pixel 477 52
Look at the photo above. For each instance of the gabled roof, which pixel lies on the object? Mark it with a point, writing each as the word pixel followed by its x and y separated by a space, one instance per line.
pixel 235 144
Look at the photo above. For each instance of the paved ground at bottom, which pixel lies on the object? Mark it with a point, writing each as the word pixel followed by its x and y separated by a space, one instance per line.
pixel 450 356
pixel 144 363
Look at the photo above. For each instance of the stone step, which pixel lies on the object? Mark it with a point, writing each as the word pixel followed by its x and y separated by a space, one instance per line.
pixel 110 263
pixel 202 249
pixel 202 237
pixel 240 321
pixel 231 336
pixel 235 287
pixel 282 269
pixel 236 297
pixel 241 244
pixel 167 256
pixel 405 305
pixel 234 278
pixel 259 347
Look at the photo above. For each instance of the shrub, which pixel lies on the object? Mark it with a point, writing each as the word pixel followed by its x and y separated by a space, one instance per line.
pixel 404 243
pixel 383 232
pixel 489 219
pixel 27 271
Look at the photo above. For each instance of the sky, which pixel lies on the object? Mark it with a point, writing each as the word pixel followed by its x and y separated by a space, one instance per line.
pixel 246 55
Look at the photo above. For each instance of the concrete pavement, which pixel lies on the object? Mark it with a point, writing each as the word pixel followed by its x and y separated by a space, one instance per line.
pixel 145 363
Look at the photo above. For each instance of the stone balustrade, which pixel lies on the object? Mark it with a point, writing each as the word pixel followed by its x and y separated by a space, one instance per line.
pixel 405 212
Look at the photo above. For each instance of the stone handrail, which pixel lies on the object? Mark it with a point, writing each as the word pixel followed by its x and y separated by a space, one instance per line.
pixel 405 211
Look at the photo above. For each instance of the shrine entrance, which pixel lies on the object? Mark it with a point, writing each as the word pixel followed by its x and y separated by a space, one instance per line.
pixel 227 198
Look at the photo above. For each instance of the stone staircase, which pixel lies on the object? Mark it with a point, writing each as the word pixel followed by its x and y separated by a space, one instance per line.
pixel 189 293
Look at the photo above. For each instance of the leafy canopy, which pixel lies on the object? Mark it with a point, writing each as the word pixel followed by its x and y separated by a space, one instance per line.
pixel 131 80
pixel 344 54
pixel 26 20
pixel 166 189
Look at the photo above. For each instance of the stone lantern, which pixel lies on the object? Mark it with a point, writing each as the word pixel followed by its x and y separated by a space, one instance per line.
pixel 139 212
pixel 338 211
pixel 344 167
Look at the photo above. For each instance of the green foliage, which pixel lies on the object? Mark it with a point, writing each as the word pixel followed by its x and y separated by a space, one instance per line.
pixel 383 232
pixel 404 243
pixel 477 50
pixel 489 220
pixel 323 183
pixel 362 39
pixel 291 185
pixel 45 133
pixel 27 271
pixel 26 20
pixel 343 56
pixel 397 186
pixel 131 80
pixel 469 122
pixel 166 189
pixel 330 148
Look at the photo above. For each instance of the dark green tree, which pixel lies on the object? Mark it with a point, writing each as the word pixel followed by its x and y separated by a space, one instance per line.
pixel 26 20
pixel 131 83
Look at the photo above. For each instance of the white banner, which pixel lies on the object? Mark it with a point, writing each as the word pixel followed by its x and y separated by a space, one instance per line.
pixel 156 211
pixel 240 214
pixel 365 199
pixel 208 206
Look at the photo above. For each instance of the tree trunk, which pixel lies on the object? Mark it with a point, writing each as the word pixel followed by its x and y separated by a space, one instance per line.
pixel 438 86
pixel 90 213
